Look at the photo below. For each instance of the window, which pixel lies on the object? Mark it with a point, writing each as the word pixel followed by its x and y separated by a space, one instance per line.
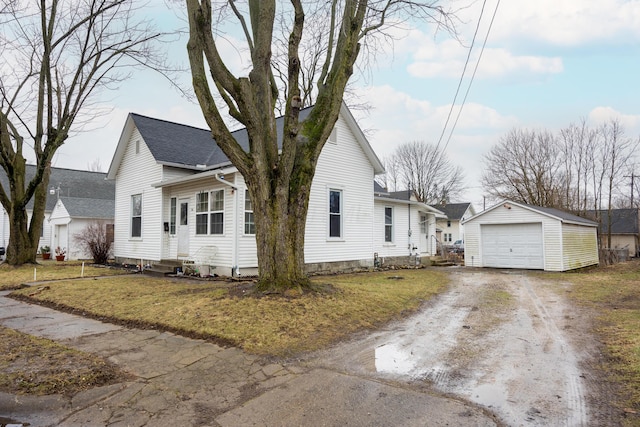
pixel 210 212
pixel 249 223
pixel 335 213
pixel 388 224
pixel 423 224
pixel 184 213
pixel 172 216
pixel 136 215
pixel 217 212
pixel 202 212
pixel 137 146
pixel 447 237
pixel 448 223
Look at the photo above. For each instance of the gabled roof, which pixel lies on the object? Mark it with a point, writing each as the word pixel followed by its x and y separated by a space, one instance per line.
pixel 454 211
pixel 72 183
pixel 178 145
pixel 89 208
pixel 623 221
pixel 562 216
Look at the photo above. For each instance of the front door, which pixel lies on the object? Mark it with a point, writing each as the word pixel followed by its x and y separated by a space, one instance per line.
pixel 183 229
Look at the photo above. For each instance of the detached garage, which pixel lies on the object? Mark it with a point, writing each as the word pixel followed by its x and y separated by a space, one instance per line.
pixel 515 235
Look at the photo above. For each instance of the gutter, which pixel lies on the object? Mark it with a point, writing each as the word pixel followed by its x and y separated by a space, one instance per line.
pixel 235 270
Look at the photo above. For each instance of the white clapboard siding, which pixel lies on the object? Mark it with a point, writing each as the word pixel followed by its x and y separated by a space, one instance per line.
pixel 136 173
pixel 344 166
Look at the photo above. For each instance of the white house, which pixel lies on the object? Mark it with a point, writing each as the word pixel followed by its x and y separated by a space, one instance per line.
pixel 515 235
pixel 75 199
pixel 177 193
pixel 403 226
pixel 451 225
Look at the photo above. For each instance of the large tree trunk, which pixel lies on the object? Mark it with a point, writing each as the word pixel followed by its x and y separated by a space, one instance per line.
pixel 280 232
pixel 24 234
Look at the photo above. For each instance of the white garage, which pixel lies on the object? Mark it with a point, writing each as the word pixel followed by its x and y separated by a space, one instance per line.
pixel 514 235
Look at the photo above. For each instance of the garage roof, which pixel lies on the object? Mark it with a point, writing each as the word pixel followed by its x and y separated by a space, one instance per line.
pixel 562 216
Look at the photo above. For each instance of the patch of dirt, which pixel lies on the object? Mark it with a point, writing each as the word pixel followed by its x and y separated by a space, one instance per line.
pixel 39 366
pixel 507 341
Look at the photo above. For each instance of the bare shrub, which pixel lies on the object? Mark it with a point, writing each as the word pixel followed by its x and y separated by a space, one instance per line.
pixel 95 240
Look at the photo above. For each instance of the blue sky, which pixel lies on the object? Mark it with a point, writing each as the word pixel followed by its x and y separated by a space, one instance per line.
pixel 546 64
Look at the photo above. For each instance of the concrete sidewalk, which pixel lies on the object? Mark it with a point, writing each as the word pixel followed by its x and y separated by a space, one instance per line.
pixel 186 382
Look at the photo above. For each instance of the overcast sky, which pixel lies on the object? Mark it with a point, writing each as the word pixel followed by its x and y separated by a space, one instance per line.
pixel 546 64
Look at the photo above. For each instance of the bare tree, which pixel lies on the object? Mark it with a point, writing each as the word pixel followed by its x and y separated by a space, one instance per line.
pixel 426 171
pixel 279 179
pixel 61 54
pixel 526 166
pixel 94 239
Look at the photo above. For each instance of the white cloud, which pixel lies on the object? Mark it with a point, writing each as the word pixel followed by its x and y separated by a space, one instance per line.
pixel 600 115
pixel 566 22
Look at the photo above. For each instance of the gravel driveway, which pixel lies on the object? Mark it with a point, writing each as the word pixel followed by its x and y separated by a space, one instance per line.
pixel 507 340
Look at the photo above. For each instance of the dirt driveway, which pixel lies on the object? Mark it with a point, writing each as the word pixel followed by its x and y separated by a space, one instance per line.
pixel 506 340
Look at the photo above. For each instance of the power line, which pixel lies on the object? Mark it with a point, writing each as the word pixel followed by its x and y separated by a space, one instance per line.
pixel 444 129
pixel 473 75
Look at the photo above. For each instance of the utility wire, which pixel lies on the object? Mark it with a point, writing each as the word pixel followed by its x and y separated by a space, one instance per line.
pixel 455 97
pixel 473 75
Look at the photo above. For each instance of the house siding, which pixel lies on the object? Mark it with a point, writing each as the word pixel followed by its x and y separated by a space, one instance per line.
pixel 343 166
pixel 136 174
pixel 580 246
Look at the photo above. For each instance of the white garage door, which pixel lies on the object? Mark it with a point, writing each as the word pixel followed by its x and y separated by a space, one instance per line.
pixel 512 246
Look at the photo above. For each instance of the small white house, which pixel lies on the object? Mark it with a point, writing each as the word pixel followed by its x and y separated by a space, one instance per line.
pixel 177 194
pixel 515 235
pixel 403 226
pixel 75 198
pixel 451 225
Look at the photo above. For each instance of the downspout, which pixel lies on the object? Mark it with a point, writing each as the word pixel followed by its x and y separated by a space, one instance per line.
pixel 235 271
pixel 409 231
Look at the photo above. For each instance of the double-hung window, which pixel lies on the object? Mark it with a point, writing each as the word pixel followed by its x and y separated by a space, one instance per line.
pixel 210 212
pixel 202 212
pixel 217 212
pixel 136 215
pixel 388 224
pixel 249 222
pixel 335 213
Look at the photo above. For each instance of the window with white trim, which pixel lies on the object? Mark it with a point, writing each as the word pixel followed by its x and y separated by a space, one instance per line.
pixel 388 224
pixel 172 215
pixel 249 222
pixel 335 213
pixel 136 215
pixel 423 224
pixel 210 212
pixel 202 212
pixel 447 237
pixel 217 212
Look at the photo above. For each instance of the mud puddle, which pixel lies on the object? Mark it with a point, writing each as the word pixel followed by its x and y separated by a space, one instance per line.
pixel 494 338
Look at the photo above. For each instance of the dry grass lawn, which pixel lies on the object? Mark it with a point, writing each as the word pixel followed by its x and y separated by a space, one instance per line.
pixel 13 277
pixel 230 314
pixel 614 292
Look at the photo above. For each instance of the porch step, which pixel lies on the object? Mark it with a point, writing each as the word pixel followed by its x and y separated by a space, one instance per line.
pixel 163 268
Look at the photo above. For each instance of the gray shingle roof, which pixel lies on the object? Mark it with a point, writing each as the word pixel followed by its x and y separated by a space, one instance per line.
pixel 174 143
pixel 454 211
pixel 72 183
pixel 623 221
pixel 566 216
pixel 89 208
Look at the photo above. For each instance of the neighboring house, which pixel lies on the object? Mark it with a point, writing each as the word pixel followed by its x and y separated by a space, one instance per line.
pixel 75 199
pixel 403 226
pixel 514 235
pixel 451 226
pixel 625 229
pixel 177 194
